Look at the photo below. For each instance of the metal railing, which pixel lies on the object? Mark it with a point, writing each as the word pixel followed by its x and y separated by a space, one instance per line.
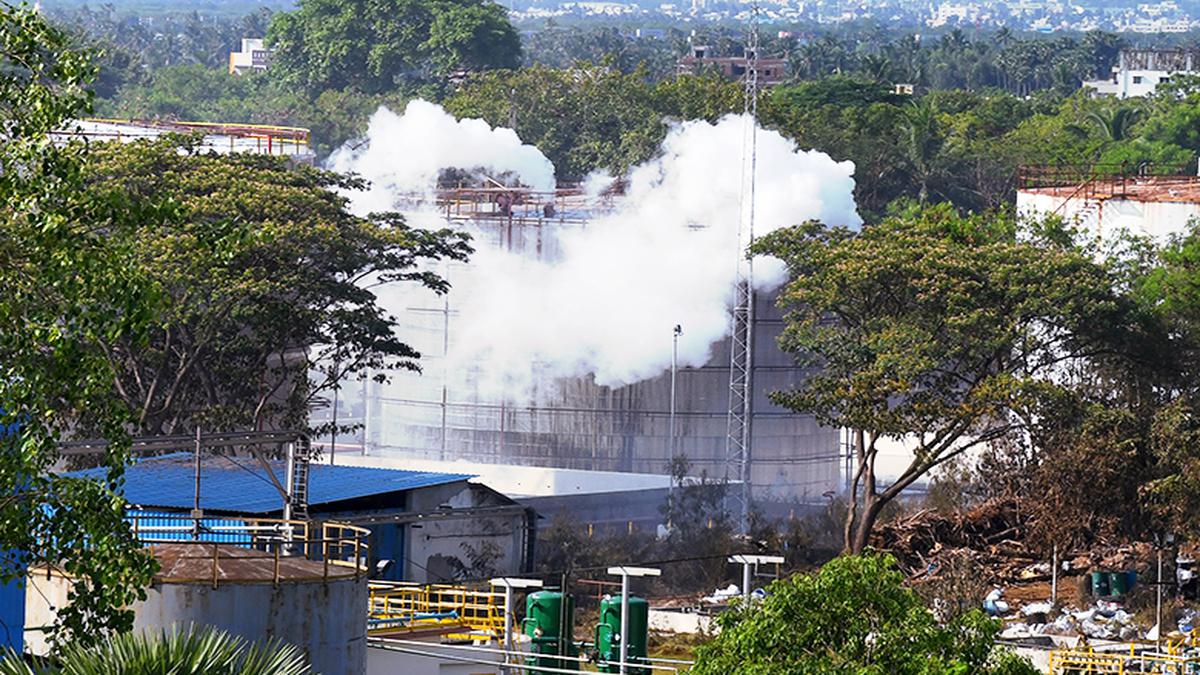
pixel 262 139
pixel 241 549
pixel 1139 659
pixel 401 606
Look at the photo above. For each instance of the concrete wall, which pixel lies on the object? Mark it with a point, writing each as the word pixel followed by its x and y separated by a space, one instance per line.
pixel 433 541
pixel 327 620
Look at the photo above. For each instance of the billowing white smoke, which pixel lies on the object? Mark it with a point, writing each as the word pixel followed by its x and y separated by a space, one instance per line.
pixel 666 255
pixel 405 153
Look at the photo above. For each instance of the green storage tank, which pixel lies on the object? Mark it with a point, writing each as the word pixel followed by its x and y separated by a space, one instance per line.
pixel 550 626
pixel 609 634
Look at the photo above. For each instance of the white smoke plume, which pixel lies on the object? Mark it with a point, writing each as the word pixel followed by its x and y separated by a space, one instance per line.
pixel 606 303
pixel 403 154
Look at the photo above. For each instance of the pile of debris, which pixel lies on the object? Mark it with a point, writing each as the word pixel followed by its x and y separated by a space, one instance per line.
pixel 991 535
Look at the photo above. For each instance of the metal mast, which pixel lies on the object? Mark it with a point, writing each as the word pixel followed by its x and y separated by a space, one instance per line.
pixel 741 341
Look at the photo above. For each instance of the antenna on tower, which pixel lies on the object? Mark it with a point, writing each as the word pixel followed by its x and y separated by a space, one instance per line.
pixel 741 339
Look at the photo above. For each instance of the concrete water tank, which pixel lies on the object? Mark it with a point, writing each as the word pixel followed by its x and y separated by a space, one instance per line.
pixel 304 584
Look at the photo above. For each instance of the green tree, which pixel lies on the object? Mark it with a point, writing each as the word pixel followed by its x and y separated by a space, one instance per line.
pixel 202 651
pixel 934 330
pixel 585 118
pixel 854 615
pixel 374 46
pixel 262 265
pixel 67 289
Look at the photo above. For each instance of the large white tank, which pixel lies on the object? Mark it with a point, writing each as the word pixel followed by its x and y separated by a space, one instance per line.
pixel 435 415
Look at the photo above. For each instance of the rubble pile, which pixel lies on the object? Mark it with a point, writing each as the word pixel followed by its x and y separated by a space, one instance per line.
pixel 991 535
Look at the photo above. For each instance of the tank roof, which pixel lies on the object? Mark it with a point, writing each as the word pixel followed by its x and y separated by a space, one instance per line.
pixel 185 562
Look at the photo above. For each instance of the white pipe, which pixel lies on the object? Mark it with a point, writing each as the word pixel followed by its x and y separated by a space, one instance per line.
pixel 746 583
pixel 624 621
pixel 382 641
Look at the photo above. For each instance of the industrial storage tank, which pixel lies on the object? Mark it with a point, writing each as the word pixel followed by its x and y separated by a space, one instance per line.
pixel 298 582
pixel 438 414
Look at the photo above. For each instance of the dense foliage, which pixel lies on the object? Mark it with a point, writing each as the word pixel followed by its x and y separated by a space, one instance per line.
pixel 260 264
pixel 372 46
pixel 67 290
pixel 853 616
pixel 935 330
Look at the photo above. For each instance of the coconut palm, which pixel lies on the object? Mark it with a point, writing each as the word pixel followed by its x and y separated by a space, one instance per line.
pixel 203 651
pixel 1115 124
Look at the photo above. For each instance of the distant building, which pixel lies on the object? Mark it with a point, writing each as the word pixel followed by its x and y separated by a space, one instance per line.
pixel 254 56
pixel 903 89
pixel 770 71
pixel 1139 71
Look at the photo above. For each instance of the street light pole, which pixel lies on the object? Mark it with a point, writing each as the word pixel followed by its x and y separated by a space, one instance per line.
pixel 509 584
pixel 625 573
pixel 674 370
pixel 752 560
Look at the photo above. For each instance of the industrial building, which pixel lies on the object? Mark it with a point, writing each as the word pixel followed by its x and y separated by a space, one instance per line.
pixel 440 414
pixel 1105 201
pixel 419 522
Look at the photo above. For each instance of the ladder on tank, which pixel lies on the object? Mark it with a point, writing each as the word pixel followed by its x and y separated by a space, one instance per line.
pixel 299 458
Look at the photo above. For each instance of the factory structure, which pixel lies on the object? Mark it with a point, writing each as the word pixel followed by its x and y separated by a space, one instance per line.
pixel 1104 201
pixel 440 414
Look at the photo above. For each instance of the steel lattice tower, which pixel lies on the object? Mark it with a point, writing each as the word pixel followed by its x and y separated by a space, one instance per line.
pixel 741 340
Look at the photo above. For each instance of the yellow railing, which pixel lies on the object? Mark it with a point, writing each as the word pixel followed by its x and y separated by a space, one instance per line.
pixel 1090 662
pixel 337 549
pixel 404 606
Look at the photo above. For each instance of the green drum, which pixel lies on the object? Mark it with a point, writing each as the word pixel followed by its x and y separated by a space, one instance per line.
pixel 609 634
pixel 550 625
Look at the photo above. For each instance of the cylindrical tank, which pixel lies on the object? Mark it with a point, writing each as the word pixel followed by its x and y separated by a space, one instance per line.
pixel 609 634
pixel 320 610
pixel 550 625
pixel 442 413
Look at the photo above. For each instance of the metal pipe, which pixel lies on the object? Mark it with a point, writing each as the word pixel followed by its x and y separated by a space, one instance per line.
pixel 1158 603
pixel 517 652
pixel 674 371
pixel 624 621
pixel 196 502
pixel 289 478
pixel 464 659
pixel 1054 576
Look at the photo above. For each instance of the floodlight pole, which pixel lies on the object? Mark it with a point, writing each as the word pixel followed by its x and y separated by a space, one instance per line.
pixel 747 561
pixel 625 573
pixel 508 584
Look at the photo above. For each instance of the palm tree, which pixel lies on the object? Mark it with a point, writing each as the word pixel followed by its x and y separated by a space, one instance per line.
pixel 1115 124
pixel 204 651
pixel 921 143
pixel 877 68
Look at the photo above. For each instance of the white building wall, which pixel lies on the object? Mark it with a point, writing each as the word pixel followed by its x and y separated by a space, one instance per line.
pixel 1107 218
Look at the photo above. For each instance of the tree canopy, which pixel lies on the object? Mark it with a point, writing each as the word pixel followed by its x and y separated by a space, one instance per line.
pixel 933 329
pixel 67 290
pixel 856 616
pixel 263 270
pixel 373 46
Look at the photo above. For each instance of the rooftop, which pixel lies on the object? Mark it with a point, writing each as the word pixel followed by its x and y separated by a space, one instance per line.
pixel 1180 189
pixel 241 484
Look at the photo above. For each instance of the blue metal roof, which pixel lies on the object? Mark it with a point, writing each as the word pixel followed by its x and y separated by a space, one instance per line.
pixel 241 485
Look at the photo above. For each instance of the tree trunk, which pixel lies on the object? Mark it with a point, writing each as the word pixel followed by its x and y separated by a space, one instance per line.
pixel 872 505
